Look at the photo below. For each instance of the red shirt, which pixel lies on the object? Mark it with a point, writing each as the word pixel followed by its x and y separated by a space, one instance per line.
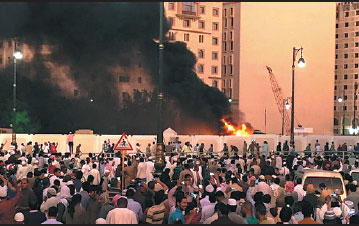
pixel 7 209
pixel 51 169
pixel 53 149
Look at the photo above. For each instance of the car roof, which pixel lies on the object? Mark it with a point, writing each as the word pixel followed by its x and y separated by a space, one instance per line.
pixel 321 173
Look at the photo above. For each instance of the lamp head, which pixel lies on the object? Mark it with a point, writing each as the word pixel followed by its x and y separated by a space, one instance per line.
pixel 301 62
pixel 18 55
pixel 340 99
pixel 229 100
pixel 287 106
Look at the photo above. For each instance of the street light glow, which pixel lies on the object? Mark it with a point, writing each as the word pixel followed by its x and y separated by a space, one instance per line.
pixel 18 55
pixel 287 106
pixel 301 62
pixel 229 100
pixel 340 99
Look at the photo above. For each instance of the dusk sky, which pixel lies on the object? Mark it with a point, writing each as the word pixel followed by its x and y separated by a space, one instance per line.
pixel 269 33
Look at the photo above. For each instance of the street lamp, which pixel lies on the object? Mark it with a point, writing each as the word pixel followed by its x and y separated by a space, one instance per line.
pixel 355 98
pixel 17 56
pixel 160 147
pixel 340 100
pixel 230 100
pixel 301 63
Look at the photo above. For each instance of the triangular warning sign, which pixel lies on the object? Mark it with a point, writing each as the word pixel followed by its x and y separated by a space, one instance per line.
pixel 123 144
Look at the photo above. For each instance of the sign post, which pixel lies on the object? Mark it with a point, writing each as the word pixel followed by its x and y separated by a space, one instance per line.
pixel 123 145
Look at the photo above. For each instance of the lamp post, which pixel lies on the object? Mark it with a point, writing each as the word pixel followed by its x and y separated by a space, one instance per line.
pixel 355 98
pixel 343 121
pixel 301 63
pixel 286 106
pixel 17 56
pixel 159 164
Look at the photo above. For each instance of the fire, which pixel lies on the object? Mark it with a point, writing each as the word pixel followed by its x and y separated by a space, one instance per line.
pixel 243 129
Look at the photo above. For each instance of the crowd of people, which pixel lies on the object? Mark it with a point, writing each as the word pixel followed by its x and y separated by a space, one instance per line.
pixel 196 186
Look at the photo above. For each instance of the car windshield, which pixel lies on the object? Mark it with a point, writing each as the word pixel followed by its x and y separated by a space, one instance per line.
pixel 355 176
pixel 330 183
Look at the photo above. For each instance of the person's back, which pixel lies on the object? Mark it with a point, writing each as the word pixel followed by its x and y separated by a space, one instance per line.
pixel 121 215
pixel 141 170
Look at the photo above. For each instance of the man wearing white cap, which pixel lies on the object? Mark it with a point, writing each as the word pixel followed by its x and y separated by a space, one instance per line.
pixel 232 215
pixel 50 200
pixel 263 186
pixel 22 170
pixel 205 201
pixel 19 218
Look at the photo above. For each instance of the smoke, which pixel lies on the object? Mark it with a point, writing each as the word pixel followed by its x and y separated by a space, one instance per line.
pixel 90 39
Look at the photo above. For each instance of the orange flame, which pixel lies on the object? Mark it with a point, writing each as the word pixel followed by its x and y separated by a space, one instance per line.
pixel 243 130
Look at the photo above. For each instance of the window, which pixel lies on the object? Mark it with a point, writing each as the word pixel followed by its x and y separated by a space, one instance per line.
pixel 336 25
pixel 355 76
pixel 201 24
pixel 224 69
pixel 225 23
pixel 345 66
pixel 200 38
pixel 200 68
pixel 357 23
pixel 201 10
pixel 76 93
pixel 214 69
pixel 186 37
pixel 346 45
pixel 357 12
pixel 224 59
pixel 1 60
pixel 215 26
pixel 346 24
pixel 346 35
pixel 230 59
pixel 336 66
pixel 225 46
pixel 345 76
pixel 215 12
pixel 335 87
pixel 231 45
pixel 231 11
pixel 224 83
pixel 232 22
pixel 346 14
pixel 124 78
pixel 356 55
pixel 356 65
pixel 171 6
pixel 139 79
pixel 336 35
pixel 336 56
pixel 188 7
pixel 344 108
pixel 336 46
pixel 357 44
pixel 201 53
pixel 230 83
pixel 171 21
pixel 230 69
pixel 336 122
pixel 214 55
pixel 231 35
pixel 224 36
pixel 215 41
pixel 335 108
pixel 214 84
pixel 335 97
pixel 336 77
pixel 345 97
pixel 356 33
pixel 230 93
pixel 225 12
pixel 356 108
pixel 186 23
pixel 171 35
pixel 345 55
pixel 345 87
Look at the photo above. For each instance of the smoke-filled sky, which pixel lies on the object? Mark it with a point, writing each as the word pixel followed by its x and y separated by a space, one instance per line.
pixel 86 41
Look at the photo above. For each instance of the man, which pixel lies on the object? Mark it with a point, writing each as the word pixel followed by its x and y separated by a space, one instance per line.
pixel 129 172
pixel 50 200
pixel 181 205
pixel 57 174
pixel 7 207
pixel 27 196
pixel 51 216
pixel 34 216
pixel 148 150
pixel 142 169
pixel 28 148
pixel 247 213
pixel 353 196
pixel 208 209
pixel 223 217
pixel 263 186
pixel 299 189
pixel 261 213
pixel 133 205
pixel 307 211
pixel 232 215
pixel 156 213
pixel 96 174
pixel 121 215
pixel 78 149
pixel 310 196
pixel 70 142
pixel 150 169
pixel 187 170
pixel 153 149
pixel 93 206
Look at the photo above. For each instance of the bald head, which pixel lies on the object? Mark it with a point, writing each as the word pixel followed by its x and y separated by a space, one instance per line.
pixel 310 188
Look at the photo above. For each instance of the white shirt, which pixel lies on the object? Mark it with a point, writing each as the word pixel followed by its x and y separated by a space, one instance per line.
pixel 85 170
pixel 97 177
pixel 278 162
pixel 207 211
pixel 121 216
pixel 150 169
pixel 301 193
pixel 51 221
pixel 53 201
pixel 263 187
pixel 53 178
pixel 205 201
pixel 141 170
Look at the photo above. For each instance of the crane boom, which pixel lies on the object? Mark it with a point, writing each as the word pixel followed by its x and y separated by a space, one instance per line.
pixel 278 95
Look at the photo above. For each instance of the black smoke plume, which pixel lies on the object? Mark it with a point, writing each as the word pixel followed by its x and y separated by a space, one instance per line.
pixel 91 38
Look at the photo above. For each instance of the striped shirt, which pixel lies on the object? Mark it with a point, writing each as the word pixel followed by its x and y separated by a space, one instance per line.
pixel 156 214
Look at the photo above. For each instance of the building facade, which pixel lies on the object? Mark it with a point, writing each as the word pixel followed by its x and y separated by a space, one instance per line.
pixel 6 52
pixel 346 68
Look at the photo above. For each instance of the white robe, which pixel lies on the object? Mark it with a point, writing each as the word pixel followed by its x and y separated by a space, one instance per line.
pixel 150 169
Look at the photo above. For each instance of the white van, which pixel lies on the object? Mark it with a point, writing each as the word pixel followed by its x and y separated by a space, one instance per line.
pixel 332 180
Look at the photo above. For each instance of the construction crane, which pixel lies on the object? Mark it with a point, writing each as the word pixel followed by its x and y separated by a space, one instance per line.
pixel 278 95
